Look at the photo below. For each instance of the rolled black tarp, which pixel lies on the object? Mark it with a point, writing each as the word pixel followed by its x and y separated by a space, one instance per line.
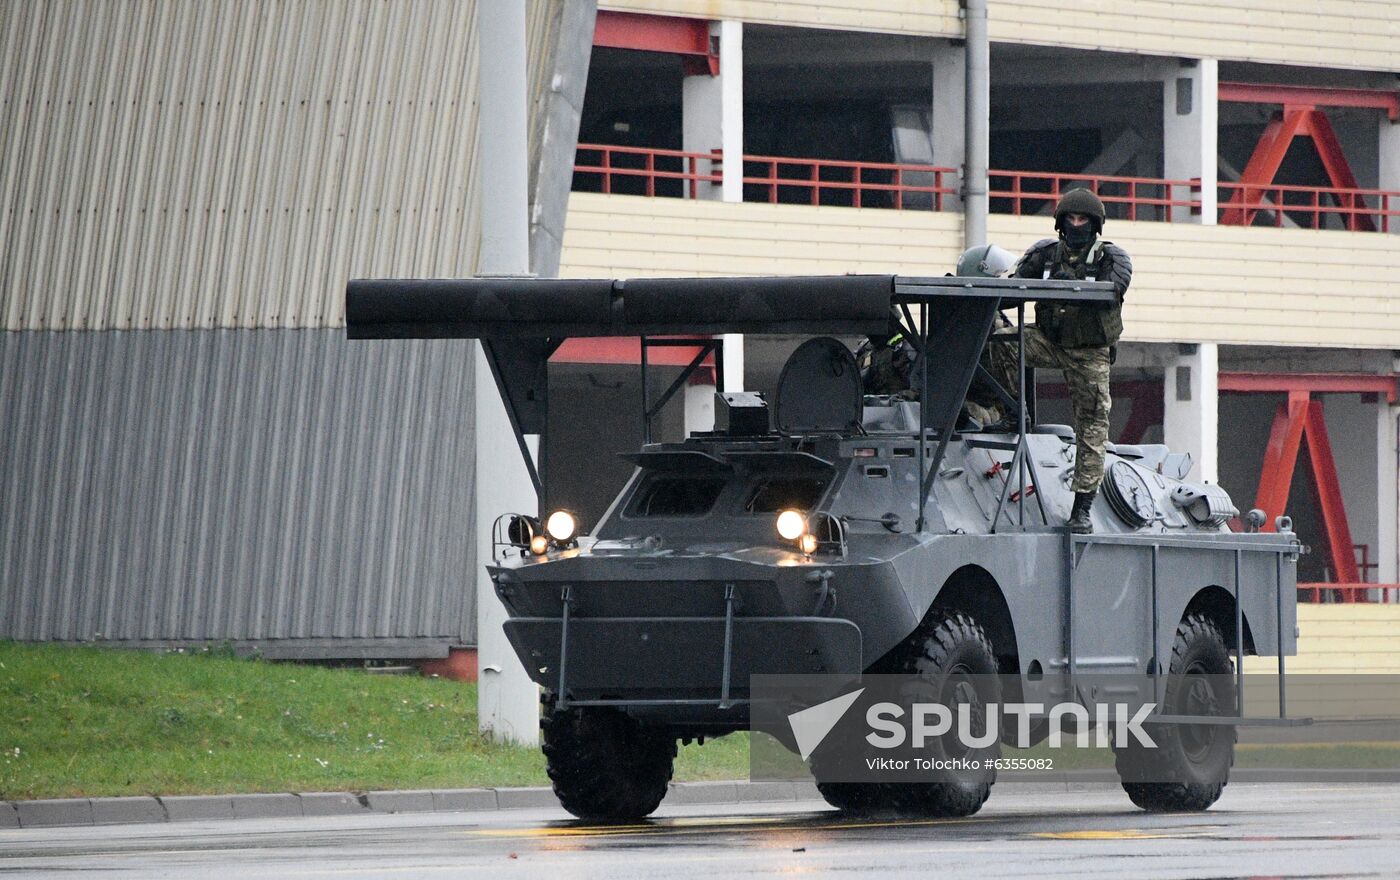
pixel 817 305
pixel 476 308
pixel 505 308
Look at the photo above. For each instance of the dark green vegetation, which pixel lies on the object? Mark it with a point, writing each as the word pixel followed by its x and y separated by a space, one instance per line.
pixel 78 721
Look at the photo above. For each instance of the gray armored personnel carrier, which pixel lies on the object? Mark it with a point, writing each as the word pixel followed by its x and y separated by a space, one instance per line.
pixel 830 531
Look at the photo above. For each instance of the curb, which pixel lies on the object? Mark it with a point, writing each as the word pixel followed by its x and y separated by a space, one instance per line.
pixel 192 808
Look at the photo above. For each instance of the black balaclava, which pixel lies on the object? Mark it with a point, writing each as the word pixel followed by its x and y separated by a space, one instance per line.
pixel 1078 238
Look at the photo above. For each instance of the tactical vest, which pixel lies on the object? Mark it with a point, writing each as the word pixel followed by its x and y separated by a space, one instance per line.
pixel 1078 326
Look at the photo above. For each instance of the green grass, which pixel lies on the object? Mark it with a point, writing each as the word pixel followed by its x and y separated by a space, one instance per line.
pixel 77 721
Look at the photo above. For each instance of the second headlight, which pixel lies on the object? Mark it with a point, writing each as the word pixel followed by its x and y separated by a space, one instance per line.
pixel 561 526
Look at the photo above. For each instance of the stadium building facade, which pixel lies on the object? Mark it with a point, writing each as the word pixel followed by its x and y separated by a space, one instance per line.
pixel 193 451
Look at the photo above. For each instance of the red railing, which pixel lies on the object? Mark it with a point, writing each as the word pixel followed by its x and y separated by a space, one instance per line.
pixel 1307 206
pixel 775 179
pixel 1126 198
pixel 1346 593
pixel 848 182
pixel 645 167
pixel 639 171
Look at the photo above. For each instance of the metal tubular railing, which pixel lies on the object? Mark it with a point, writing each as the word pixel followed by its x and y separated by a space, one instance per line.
pixel 1135 198
pixel 1307 206
pixel 1348 593
pixel 785 179
pixel 836 178
pixel 615 164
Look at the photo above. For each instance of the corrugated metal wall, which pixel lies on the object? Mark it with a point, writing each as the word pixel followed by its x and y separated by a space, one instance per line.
pixel 185 187
pixel 242 485
pixel 172 164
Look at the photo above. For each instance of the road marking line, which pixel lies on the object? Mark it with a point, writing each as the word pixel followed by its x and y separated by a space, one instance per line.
pixel 1125 834
pixel 706 825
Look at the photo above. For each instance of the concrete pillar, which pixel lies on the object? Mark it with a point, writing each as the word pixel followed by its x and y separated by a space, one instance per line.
pixel 712 116
pixel 1190 416
pixel 712 113
pixel 1389 176
pixel 948 116
pixel 507 700
pixel 1387 553
pixel 1190 120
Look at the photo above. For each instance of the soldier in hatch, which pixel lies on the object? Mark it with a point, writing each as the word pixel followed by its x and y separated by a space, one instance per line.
pixel 1079 340
pixel 887 362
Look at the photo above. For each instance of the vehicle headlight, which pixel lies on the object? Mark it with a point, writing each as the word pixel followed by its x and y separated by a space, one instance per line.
pixel 807 544
pixel 539 545
pixel 791 524
pixel 561 526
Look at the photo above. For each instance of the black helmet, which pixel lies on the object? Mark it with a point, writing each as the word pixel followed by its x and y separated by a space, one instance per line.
pixel 1080 201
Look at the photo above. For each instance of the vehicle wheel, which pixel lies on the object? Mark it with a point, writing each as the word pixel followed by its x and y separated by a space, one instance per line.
pixel 1191 764
pixel 956 665
pixel 604 765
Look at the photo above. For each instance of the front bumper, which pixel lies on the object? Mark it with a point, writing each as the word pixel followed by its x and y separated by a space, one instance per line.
pixel 672 634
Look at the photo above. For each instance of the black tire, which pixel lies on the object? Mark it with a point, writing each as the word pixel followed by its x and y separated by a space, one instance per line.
pixel 604 765
pixel 945 653
pixel 1191 764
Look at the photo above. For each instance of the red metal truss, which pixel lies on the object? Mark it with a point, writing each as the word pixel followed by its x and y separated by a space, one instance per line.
pixel 1313 383
pixel 1300 420
pixel 1295 121
pixel 1312 96
pixel 1329 496
pixel 687 37
pixel 1281 457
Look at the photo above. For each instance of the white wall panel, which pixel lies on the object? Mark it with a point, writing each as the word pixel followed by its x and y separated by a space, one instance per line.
pixel 1260 286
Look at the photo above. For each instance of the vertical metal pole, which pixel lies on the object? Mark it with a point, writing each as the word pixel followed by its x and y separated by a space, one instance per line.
pixel 1021 409
pixel 567 602
pixel 646 404
pixel 976 121
pixel 1069 610
pixel 1278 609
pixel 728 645
pixel 923 410
pixel 1239 639
pixel 1157 694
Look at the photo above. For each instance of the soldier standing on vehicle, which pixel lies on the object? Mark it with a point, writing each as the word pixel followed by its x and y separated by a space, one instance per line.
pixel 1080 340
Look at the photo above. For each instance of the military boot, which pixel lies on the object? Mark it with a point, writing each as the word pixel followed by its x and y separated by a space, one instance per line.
pixel 1079 522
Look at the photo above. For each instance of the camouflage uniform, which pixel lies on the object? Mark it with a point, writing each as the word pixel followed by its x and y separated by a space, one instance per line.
pixel 1086 375
pixel 1076 339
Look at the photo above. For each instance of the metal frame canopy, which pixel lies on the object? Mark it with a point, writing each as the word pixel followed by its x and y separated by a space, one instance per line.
pixel 521 321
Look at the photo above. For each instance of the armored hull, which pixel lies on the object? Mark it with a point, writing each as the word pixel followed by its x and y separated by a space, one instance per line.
pixel 686 589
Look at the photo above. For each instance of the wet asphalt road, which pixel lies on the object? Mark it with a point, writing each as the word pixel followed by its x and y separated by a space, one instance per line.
pixel 1255 831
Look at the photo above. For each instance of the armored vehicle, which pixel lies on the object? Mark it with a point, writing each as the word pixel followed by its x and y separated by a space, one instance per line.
pixel 830 531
